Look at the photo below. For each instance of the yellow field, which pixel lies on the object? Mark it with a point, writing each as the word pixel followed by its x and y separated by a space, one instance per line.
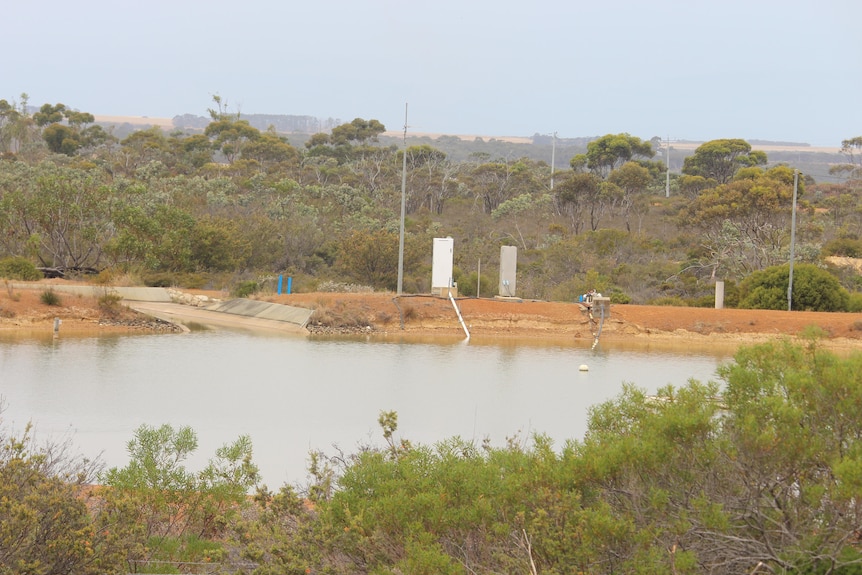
pixel 135 121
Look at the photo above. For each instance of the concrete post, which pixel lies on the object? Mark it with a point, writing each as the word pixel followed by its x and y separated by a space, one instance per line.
pixel 719 295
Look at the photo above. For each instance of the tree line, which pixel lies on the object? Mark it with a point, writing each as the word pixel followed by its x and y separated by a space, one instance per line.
pixel 756 473
pixel 230 203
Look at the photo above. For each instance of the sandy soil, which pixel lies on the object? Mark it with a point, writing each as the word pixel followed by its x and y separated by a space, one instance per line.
pixel 24 311
pixel 539 319
pixel 427 315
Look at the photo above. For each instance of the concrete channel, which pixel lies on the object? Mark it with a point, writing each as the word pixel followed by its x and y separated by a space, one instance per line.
pixel 162 303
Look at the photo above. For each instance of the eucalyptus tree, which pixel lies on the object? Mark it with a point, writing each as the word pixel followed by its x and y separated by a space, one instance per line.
pixel 231 136
pixel 271 151
pixel 582 194
pixel 190 152
pixel 852 148
pixel 494 182
pixel 17 127
pixel 524 219
pixel 610 152
pixel 61 216
pixel 69 137
pixel 719 160
pixel 359 130
pixel 141 148
pixel 632 180
pixel 431 178
pixel 744 224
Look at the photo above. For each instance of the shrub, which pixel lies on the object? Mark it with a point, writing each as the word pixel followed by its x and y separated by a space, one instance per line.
pixel 467 284
pixel 50 297
pixel 110 304
pixel 246 288
pixel 702 301
pixel 18 268
pixel 620 297
pixel 814 289
pixel 855 303
pixel 846 247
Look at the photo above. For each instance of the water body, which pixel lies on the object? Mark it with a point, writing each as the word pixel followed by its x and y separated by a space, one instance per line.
pixel 293 394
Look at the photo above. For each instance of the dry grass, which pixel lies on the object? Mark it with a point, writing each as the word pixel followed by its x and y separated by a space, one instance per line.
pixel 341 315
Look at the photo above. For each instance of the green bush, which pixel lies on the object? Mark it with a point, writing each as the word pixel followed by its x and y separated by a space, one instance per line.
pixel 845 247
pixel 246 288
pixel 467 283
pixel 855 303
pixel 814 289
pixel 18 268
pixel 50 297
pixel 620 297
pixel 702 301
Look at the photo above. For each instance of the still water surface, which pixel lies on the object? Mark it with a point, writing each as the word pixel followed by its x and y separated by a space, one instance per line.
pixel 293 394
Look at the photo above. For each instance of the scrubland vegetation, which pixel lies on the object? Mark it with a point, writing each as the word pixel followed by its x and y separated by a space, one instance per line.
pixel 760 473
pixel 228 205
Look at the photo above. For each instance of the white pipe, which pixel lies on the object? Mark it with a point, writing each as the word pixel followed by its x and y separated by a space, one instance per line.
pixel 458 311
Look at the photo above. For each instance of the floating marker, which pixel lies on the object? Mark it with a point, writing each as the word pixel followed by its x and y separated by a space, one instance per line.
pixel 584 367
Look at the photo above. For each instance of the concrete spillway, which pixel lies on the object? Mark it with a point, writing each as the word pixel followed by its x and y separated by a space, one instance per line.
pixel 236 313
pixel 160 303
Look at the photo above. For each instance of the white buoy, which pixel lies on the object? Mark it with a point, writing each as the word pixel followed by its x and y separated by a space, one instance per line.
pixel 584 367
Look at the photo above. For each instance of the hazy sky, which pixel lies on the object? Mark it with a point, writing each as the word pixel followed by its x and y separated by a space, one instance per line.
pixel 786 70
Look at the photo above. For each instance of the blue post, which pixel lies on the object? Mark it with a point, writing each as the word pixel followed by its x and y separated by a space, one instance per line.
pixel 289 283
pixel 280 277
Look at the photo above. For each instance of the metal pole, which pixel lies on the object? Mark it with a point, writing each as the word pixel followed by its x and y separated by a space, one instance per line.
pixel 553 158
pixel 403 201
pixel 792 241
pixel 479 277
pixel 667 170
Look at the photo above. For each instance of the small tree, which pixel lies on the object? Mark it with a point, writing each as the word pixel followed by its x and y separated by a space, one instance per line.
pixel 371 257
pixel 163 506
pixel 814 289
pixel 45 524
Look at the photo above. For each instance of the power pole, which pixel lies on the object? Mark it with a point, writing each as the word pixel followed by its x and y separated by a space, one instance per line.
pixel 792 241
pixel 667 169
pixel 403 201
pixel 553 161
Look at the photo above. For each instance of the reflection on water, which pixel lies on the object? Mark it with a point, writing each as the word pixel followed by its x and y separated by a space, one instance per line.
pixel 293 394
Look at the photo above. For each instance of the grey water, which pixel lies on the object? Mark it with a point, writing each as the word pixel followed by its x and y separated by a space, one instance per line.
pixel 292 394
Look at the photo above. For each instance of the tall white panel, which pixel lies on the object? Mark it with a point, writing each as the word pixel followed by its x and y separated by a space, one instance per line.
pixel 508 271
pixel 441 268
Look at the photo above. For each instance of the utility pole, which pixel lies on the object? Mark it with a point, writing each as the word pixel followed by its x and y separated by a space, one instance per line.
pixel 792 241
pixel 667 169
pixel 403 201
pixel 553 159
